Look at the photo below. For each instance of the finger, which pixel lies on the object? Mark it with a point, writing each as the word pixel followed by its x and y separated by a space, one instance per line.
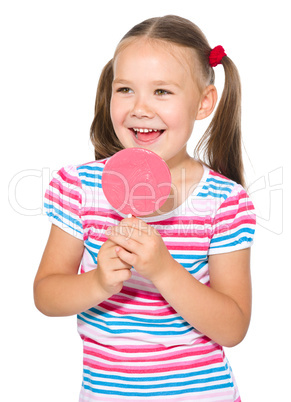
pixel 134 222
pixel 123 275
pixel 126 256
pixel 138 224
pixel 124 230
pixel 138 233
pixel 127 243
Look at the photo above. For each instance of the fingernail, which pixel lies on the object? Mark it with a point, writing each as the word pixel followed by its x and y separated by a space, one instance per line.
pixel 108 231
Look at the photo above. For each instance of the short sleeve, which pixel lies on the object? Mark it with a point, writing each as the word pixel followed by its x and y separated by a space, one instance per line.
pixel 63 201
pixel 234 224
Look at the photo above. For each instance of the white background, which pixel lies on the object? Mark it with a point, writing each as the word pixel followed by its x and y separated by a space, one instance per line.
pixel 52 53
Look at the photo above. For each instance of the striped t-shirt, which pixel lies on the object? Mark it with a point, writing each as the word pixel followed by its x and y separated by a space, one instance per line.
pixel 136 347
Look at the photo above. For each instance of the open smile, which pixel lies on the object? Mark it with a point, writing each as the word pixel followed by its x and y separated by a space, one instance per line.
pixel 146 135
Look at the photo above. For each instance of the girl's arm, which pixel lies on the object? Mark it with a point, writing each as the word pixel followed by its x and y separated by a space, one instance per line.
pixel 221 311
pixel 60 291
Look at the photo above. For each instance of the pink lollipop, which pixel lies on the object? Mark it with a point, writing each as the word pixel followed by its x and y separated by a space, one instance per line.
pixel 136 181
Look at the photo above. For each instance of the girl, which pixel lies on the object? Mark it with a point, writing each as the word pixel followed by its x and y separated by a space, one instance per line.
pixel 158 297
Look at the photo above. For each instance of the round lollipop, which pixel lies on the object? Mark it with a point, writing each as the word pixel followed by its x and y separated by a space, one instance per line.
pixel 136 181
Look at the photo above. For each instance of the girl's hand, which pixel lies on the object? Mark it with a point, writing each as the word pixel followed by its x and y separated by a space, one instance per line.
pixel 141 246
pixel 111 271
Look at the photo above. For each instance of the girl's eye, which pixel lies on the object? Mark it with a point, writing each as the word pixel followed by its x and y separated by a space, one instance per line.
pixel 162 92
pixel 124 90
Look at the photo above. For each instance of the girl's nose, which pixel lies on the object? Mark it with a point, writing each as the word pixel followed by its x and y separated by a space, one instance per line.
pixel 142 109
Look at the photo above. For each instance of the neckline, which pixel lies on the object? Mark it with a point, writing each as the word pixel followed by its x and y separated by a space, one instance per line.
pixel 175 211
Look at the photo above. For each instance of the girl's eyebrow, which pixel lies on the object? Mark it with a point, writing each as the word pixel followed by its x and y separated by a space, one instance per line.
pixel 165 83
pixel 156 83
pixel 120 81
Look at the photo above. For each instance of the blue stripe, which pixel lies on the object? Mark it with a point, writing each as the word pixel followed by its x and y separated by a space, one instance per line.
pixel 132 330
pixel 189 265
pixel 132 318
pixel 152 394
pixel 217 188
pixel 233 235
pixel 189 256
pixel 51 215
pixel 87 167
pixel 220 181
pixel 93 255
pixel 224 196
pixel 127 322
pixel 234 243
pixel 62 214
pixel 157 378
pixel 200 266
pixel 90 175
pixel 90 183
pixel 92 245
pixel 161 385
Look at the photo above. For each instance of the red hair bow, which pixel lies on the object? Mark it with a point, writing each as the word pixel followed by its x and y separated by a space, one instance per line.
pixel 216 54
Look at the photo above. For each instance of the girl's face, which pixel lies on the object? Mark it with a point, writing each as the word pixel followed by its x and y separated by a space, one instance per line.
pixel 155 98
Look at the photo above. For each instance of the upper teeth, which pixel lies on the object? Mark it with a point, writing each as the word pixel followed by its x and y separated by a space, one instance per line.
pixel 145 130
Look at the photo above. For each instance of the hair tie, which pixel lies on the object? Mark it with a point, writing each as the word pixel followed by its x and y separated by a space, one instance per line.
pixel 216 55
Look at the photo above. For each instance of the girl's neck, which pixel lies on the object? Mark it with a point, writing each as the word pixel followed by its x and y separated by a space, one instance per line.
pixel 186 175
pixel 176 166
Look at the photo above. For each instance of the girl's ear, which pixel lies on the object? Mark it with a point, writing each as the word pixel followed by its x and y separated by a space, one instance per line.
pixel 208 102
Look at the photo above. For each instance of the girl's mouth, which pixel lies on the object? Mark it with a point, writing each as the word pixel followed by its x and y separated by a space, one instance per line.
pixel 146 134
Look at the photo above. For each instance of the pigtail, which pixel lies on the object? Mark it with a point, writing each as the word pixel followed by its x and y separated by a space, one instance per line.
pixel 102 134
pixel 221 143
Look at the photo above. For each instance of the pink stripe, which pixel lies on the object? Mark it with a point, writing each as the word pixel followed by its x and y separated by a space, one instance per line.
pixel 174 355
pixel 62 204
pixel 140 283
pixel 99 212
pixel 232 214
pixel 126 311
pixel 207 395
pixel 240 208
pixel 185 232
pixel 100 161
pixel 215 174
pixel 232 225
pixel 181 220
pixel 129 348
pixel 142 294
pixel 95 224
pixel 126 300
pixel 239 199
pixel 143 369
pixel 191 246
pixel 113 215
pixel 68 192
pixel 69 178
pixel 203 340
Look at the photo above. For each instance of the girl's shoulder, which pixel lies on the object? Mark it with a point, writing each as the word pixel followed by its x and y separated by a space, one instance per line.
pixel 217 185
pixel 90 173
pixel 82 176
pixel 92 165
pixel 225 194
